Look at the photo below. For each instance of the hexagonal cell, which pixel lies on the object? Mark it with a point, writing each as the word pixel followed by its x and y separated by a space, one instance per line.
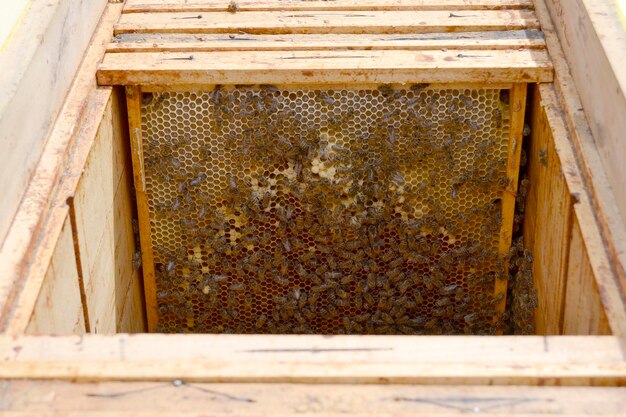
pixel 370 211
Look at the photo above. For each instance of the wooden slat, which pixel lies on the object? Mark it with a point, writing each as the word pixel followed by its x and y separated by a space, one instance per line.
pixel 59 308
pixel 158 42
pixel 278 22
pixel 126 399
pixel 139 6
pixel 548 219
pixel 133 104
pixel 517 103
pixel 584 313
pixel 273 67
pixel 495 360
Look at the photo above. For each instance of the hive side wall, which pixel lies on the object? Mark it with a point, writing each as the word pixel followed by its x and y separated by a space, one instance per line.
pixel 43 52
pixel 577 289
pixel 583 313
pixel 59 308
pixel 547 221
pixel 104 212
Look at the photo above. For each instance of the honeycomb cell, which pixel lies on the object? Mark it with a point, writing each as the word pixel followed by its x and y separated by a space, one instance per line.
pixel 343 211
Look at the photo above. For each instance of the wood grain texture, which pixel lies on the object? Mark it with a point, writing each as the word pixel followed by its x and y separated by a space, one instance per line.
pixel 599 254
pixel 133 100
pixel 603 198
pixel 27 248
pixel 272 67
pixel 584 313
pixel 547 220
pixel 59 308
pixel 155 399
pixel 180 42
pixel 139 6
pixel 490 360
pixel 104 212
pixel 373 22
pixel 40 62
pixel 594 42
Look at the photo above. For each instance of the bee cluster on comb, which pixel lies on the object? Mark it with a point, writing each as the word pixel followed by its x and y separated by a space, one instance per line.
pixel 373 210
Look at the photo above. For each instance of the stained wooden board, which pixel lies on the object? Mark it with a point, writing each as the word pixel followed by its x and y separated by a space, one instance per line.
pixel 155 399
pixel 158 42
pixel 326 66
pixel 492 360
pixel 135 6
pixel 280 22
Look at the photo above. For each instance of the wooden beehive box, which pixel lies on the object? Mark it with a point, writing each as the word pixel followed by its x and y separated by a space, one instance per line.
pixel 192 71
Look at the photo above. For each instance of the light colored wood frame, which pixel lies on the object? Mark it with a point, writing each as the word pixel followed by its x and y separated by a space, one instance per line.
pixel 582 361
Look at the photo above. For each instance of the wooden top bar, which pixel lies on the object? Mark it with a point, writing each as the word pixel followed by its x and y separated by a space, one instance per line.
pixel 141 6
pixel 169 42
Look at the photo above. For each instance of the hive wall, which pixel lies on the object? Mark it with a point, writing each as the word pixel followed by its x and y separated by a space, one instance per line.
pixel 348 210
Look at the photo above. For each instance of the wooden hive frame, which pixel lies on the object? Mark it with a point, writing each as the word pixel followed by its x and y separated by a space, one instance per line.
pixel 310 43
pixel 132 374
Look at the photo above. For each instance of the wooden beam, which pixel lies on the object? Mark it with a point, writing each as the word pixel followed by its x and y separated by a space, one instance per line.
pixel 158 42
pixel 279 22
pixel 276 67
pixel 527 360
pixel 156 399
pixel 141 6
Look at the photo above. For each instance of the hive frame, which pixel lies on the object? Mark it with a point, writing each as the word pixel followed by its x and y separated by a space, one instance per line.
pixel 517 103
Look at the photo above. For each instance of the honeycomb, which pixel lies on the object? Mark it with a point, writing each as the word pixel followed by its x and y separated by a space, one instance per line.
pixel 373 210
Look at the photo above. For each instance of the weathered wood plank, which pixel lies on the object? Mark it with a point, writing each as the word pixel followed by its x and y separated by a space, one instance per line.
pixel 604 199
pixel 59 309
pixel 584 313
pixel 140 6
pixel 43 53
pixel 274 67
pixel 279 22
pixel 177 42
pixel 592 34
pixel 104 214
pixel 494 360
pixel 121 399
pixel 27 248
pixel 547 221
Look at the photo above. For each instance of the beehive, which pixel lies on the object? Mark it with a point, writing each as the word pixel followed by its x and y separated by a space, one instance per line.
pixel 326 183
pixel 77 272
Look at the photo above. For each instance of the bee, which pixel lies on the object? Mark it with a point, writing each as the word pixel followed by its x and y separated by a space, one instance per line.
pixel 198 179
pixel 137 260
